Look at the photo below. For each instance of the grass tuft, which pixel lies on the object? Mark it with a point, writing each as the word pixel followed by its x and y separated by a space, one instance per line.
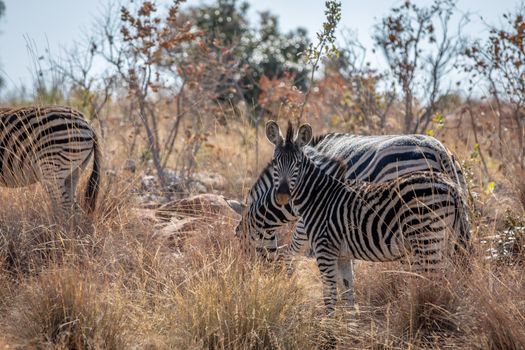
pixel 63 309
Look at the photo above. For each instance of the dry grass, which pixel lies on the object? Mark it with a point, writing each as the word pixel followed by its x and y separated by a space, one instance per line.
pixel 66 309
pixel 107 282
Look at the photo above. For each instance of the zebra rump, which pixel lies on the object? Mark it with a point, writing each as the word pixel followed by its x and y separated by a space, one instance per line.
pixel 50 145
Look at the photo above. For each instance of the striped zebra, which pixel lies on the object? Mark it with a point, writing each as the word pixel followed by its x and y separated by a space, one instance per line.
pixel 369 158
pixel 418 215
pixel 50 145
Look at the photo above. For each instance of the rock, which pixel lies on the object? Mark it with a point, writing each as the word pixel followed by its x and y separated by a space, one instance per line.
pixel 193 217
pixel 181 226
pixel 175 232
pixel 196 187
pixel 173 180
pixel 200 183
pixel 148 183
pixel 151 201
pixel 147 215
pixel 171 175
pixel 237 206
pixel 111 175
pixel 207 207
pixel 130 165
pixel 212 181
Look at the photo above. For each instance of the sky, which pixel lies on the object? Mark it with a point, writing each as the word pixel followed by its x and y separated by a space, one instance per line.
pixel 56 24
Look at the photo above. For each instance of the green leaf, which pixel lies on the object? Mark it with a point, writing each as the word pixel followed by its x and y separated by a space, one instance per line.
pixel 439 120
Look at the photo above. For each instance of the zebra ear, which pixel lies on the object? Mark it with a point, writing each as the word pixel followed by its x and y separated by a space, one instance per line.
pixel 304 135
pixel 273 133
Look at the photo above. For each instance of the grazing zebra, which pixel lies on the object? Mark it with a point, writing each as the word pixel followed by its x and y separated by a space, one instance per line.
pixel 369 158
pixel 418 215
pixel 50 145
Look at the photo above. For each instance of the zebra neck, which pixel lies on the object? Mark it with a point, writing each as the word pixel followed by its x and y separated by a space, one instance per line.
pixel 313 188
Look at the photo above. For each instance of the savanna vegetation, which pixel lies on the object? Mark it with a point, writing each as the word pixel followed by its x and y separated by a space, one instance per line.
pixel 179 96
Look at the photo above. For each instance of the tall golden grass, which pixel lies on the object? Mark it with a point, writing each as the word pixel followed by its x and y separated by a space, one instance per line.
pixel 107 282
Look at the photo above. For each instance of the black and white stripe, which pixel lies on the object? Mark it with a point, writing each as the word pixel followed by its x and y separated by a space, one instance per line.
pixel 369 158
pixel 418 215
pixel 50 145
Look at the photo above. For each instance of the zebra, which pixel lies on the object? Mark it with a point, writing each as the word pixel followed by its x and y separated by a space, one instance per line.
pixel 418 215
pixel 50 145
pixel 369 158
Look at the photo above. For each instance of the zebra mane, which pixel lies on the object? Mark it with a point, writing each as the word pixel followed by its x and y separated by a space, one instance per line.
pixel 289 134
pixel 335 166
pixel 318 138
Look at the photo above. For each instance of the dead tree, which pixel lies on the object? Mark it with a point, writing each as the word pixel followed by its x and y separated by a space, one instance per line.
pixel 419 51
pixel 500 62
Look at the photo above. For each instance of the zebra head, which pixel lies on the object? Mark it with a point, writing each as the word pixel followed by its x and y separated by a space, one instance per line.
pixel 243 229
pixel 287 157
pixel 246 229
pixel 254 240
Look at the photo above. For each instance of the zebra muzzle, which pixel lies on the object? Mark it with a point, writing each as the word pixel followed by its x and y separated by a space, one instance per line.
pixel 282 198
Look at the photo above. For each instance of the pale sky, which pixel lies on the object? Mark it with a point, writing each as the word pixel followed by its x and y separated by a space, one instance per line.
pixel 57 23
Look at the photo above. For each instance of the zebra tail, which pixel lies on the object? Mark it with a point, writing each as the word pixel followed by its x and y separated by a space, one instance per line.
pixel 93 184
pixel 462 220
pixel 462 224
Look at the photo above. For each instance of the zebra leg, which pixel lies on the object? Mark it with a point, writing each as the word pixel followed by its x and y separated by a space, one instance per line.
pixel 327 264
pixel 54 183
pixel 52 187
pixel 266 245
pixel 300 239
pixel 346 280
pixel 428 254
pixel 297 246
pixel 69 190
